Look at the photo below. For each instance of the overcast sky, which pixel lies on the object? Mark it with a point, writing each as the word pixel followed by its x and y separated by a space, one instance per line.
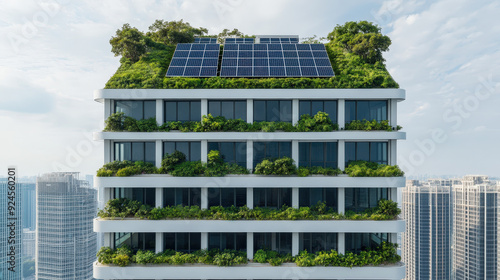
pixel 445 54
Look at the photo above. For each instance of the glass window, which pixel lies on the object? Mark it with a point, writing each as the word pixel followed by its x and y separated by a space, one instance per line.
pixel 182 111
pixel 143 195
pixel 272 110
pixel 192 150
pixel 365 110
pixel 181 196
pixel 311 196
pixel 360 199
pixel 135 151
pixel 135 241
pixel 367 151
pixel 137 109
pixel 357 242
pixel 315 242
pixel 227 197
pixel 230 241
pixel 272 197
pixel 280 242
pixel 322 154
pixel 182 241
pixel 231 152
pixel 312 107
pixel 270 150
pixel 228 109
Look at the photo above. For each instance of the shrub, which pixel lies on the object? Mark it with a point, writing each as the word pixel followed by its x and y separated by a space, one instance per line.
pixel 280 166
pixel 368 125
pixel 188 169
pixel 372 169
pixel 115 122
pixel 171 160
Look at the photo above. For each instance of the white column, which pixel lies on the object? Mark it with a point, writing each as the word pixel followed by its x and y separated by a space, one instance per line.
pixel 159 242
pixel 295 151
pixel 394 195
pixel 250 154
pixel 159 111
pixel 204 198
pixel 249 245
pixel 204 150
pixel 108 108
pixel 393 115
pixel 341 113
pixel 393 237
pixel 158 153
pixel 295 243
pixel 341 154
pixel 108 237
pixel 341 242
pixel 250 111
pixel 204 107
pixel 295 198
pixel 159 197
pixel 250 198
pixel 108 156
pixel 393 152
pixel 204 240
pixel 295 111
pixel 341 200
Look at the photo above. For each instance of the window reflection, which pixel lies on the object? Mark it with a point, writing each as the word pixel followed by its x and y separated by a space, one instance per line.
pixel 270 150
pixel 272 197
pixel 365 110
pixel 228 109
pixel 231 152
pixel 367 151
pixel 182 111
pixel 182 197
pixel 137 109
pixel 360 199
pixel 312 107
pixel 135 151
pixel 192 150
pixel 318 154
pixel 143 195
pixel 272 110
pixel 279 242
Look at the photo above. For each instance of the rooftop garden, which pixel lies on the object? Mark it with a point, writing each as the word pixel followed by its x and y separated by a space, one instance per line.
pixel 355 51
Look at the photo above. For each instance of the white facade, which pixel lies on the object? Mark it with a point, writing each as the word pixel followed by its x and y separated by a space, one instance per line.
pixel 161 183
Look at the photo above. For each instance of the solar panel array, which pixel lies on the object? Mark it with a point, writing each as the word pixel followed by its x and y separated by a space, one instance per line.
pixel 204 40
pixel 275 60
pixel 194 60
pixel 280 40
pixel 239 41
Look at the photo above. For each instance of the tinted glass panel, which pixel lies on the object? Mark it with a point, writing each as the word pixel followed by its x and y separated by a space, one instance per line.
pixel 170 111
pixel 360 199
pixel 315 242
pixel 368 151
pixel 318 154
pixel 357 242
pixel 280 242
pixel 135 151
pixel 365 110
pixel 263 150
pixel 272 197
pixel 227 197
pixel 182 241
pixel 181 196
pixel 231 152
pixel 311 196
pixel 135 241
pixel 230 241
pixel 143 195
pixel 273 110
pixel 182 111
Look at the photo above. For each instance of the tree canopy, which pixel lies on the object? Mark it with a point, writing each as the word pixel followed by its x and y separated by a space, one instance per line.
pixel 362 38
pixel 173 32
pixel 129 42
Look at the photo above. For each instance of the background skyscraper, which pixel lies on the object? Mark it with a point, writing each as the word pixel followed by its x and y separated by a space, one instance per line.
pixel 66 243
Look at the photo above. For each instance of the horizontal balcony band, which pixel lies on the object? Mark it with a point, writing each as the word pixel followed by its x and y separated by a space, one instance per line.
pixel 346 226
pixel 239 94
pixel 255 136
pixel 249 271
pixel 246 181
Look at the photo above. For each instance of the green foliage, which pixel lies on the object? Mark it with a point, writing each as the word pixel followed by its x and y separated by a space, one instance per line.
pixel 369 125
pixel 280 166
pixel 115 122
pixel 129 42
pixel 126 168
pixel 387 207
pixel 318 170
pixel 320 122
pixel 171 160
pixel 173 32
pixel 372 169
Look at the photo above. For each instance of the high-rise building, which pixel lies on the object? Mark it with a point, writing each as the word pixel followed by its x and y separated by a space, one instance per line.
pixel 475 229
pixel 66 243
pixel 426 246
pixel 28 196
pixel 326 149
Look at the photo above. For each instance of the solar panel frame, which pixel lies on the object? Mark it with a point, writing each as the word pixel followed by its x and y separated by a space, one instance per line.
pixel 194 60
pixel 205 40
pixel 239 41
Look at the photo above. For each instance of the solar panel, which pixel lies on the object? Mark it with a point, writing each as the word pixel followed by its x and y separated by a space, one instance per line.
pixel 239 41
pixel 195 60
pixel 204 40
pixel 275 60
pixel 279 40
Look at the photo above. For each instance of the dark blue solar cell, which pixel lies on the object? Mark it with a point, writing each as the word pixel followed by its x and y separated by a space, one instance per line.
pixel 196 54
pixel 265 40
pixel 277 71
pixel 274 47
pixel 192 71
pixel 208 71
pixel 210 62
pixel 260 62
pixel 303 47
pixel 275 40
pixel 178 62
pixel 325 71
pixel 259 54
pixel 198 47
pixel 244 71
pixel 290 54
pixel 244 62
pixel 293 71
pixel 276 54
pixel 309 71
pixel 305 54
pixel 229 62
pixel 317 47
pixel 231 47
pixel 213 54
pixel 230 54
pixel 306 62
pixel 261 71
pixel 285 40
pixel 276 62
pixel 249 40
pixel 181 54
pixel 294 40
pixel 320 53
pixel 228 71
pixel 291 62
pixel 183 47
pixel 260 47
pixel 230 40
pixel 197 40
pixel 246 53
pixel 212 47
pixel 289 47
pixel 194 62
pixel 246 47
pixel 323 62
pixel 175 71
pixel 240 41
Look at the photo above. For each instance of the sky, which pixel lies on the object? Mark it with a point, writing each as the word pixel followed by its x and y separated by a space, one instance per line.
pixel 444 53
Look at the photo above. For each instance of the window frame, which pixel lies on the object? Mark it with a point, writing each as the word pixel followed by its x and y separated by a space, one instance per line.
pixel 347 161
pixel 280 148
pixel 325 155
pixel 356 110
pixel 116 155
pixel 335 116
pixel 198 118
pixel 234 108
pixel 235 151
pixel 190 148
pixel 143 105
pixel 280 115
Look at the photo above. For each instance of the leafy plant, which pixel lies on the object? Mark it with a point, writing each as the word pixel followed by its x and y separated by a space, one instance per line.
pixel 280 166
pixel 368 125
pixel 372 169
